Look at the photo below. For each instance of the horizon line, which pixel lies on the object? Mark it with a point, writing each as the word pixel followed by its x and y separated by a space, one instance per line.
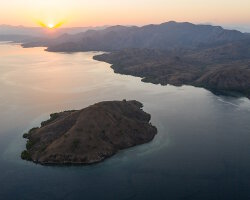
pixel 240 27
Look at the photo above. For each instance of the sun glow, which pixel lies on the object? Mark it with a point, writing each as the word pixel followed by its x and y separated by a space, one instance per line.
pixel 50 25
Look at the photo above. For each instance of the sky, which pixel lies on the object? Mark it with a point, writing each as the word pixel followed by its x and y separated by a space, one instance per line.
pixel 124 12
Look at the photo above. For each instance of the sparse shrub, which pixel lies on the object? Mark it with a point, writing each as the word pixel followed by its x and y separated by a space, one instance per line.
pixel 79 129
pixel 33 129
pixel 43 148
pixel 75 144
pixel 26 155
pixel 29 144
pixel 25 135
pixel 53 117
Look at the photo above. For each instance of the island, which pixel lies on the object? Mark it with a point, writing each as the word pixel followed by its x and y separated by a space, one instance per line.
pixel 89 135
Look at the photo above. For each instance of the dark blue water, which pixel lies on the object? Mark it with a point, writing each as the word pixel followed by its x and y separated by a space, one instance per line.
pixel 201 151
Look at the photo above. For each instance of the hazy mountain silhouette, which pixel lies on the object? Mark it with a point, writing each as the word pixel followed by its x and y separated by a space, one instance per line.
pixel 170 35
pixel 30 34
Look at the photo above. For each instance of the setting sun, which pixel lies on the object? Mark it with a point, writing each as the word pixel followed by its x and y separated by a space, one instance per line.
pixel 50 25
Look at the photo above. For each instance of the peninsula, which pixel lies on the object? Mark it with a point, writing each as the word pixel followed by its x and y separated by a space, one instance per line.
pixel 223 73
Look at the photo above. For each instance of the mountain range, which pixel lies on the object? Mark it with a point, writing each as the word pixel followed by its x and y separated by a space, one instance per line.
pixel 166 36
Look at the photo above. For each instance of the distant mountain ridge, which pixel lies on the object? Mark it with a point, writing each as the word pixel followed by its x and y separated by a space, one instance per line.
pixel 34 34
pixel 166 36
pixel 39 31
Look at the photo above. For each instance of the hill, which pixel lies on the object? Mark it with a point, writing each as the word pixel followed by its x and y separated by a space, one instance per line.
pixel 89 135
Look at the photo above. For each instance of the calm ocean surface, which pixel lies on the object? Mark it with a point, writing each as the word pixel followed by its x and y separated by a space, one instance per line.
pixel 201 151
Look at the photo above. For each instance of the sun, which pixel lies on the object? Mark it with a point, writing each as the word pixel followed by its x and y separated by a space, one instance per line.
pixel 51 25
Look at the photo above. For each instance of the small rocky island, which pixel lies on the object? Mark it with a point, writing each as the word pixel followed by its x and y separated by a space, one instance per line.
pixel 89 135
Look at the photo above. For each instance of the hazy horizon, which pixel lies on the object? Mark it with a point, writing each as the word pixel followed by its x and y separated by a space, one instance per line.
pixel 82 13
pixel 242 28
